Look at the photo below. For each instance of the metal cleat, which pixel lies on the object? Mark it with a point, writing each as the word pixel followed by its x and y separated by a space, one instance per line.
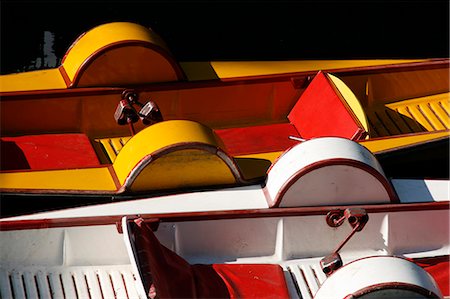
pixel 125 113
pixel 150 113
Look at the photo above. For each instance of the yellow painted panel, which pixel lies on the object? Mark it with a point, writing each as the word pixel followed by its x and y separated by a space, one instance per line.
pixel 157 137
pixel 437 108
pixel 104 35
pixel 384 144
pixel 183 169
pixel 430 111
pixel 409 119
pixel 431 117
pixel 230 69
pixel 112 146
pixel 89 179
pixel 351 100
pixel 35 80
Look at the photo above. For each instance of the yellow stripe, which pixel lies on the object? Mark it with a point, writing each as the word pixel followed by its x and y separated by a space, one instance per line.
pixel 89 179
pixel 112 146
pixel 230 69
pixel 36 80
pixel 441 114
pixel 429 113
pixel 384 144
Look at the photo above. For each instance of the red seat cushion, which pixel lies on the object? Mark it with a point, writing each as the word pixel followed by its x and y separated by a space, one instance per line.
pixel 321 111
pixel 49 151
pixel 258 139
pixel 173 277
pixel 439 268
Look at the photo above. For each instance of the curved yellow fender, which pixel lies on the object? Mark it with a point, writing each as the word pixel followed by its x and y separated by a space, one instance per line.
pixel 168 155
pixel 174 154
pixel 116 54
pixel 113 54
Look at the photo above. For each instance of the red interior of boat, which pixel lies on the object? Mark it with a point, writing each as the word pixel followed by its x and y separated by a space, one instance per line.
pixel 319 112
pixel 439 268
pixel 258 139
pixel 49 151
pixel 170 276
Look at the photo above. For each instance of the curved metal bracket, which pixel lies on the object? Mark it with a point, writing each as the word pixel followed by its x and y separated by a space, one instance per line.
pixel 357 218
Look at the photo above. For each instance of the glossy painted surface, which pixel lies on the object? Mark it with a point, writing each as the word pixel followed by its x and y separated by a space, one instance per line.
pixel 390 277
pixel 390 144
pixel 35 80
pixel 87 179
pixel 161 139
pixel 228 70
pixel 295 239
pixel 326 171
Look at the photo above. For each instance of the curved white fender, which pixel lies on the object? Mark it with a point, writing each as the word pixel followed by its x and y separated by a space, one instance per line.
pixel 327 171
pixel 379 277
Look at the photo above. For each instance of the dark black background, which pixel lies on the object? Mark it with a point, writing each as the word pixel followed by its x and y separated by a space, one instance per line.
pixel 239 30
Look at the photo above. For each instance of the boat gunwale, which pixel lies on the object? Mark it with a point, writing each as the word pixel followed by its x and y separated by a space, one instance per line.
pixel 437 63
pixel 12 225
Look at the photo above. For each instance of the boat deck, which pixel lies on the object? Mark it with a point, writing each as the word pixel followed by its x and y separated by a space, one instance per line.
pixel 116 281
pixel 303 277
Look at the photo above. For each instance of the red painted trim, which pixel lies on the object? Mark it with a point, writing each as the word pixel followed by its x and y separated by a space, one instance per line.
pixel 337 161
pixel 114 177
pixel 219 215
pixel 73 45
pixel 64 75
pixel 122 44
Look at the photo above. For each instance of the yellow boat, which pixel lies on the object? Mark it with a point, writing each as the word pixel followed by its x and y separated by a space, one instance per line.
pixel 76 130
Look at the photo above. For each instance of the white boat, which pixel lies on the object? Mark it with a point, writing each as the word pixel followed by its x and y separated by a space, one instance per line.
pixel 352 236
pixel 264 253
pixel 327 171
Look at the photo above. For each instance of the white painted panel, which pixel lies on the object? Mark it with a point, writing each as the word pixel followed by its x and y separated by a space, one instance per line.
pixel 226 240
pixel 55 285
pixel 94 245
pixel 31 247
pixel 43 284
pixel 312 237
pixel 335 185
pixel 30 285
pixel 311 152
pixel 5 286
pixel 410 191
pixel 375 274
pixel 419 231
pixel 238 198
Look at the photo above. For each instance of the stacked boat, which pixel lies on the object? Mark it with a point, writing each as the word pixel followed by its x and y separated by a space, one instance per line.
pixel 126 174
